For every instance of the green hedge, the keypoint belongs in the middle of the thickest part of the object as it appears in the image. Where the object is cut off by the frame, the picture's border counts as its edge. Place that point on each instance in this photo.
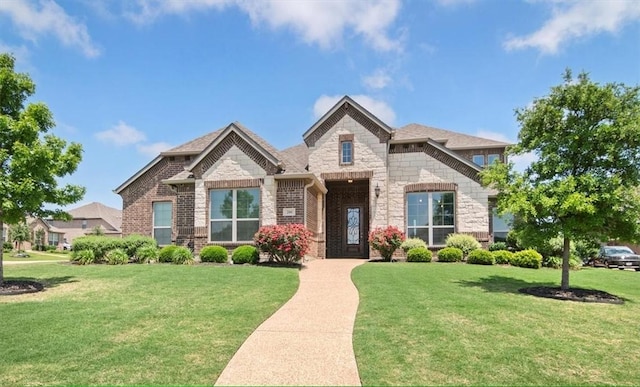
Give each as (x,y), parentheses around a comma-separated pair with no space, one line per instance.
(450,254)
(481,257)
(245,254)
(466,243)
(165,255)
(419,254)
(216,254)
(502,257)
(411,243)
(527,258)
(100,244)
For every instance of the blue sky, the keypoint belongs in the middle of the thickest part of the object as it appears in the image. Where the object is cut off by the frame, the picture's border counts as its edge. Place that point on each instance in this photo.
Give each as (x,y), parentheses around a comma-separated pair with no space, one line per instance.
(130,78)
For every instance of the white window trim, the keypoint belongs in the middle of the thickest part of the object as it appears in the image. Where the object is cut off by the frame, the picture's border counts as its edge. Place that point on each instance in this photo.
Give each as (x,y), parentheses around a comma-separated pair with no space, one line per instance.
(430,227)
(234,214)
(153,220)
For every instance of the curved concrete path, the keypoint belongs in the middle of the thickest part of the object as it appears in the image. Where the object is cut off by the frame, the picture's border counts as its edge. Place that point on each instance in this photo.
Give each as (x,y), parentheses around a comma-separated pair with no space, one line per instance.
(309,340)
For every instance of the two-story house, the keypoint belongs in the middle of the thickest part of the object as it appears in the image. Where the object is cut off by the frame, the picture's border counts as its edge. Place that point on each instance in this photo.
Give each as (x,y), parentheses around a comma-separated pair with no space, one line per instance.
(352,173)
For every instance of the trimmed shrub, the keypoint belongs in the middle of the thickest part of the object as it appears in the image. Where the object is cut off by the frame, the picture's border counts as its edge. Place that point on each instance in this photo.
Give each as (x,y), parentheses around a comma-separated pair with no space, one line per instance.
(419,254)
(116,257)
(527,258)
(165,255)
(83,257)
(481,257)
(502,257)
(146,254)
(513,241)
(497,246)
(182,256)
(386,240)
(286,243)
(450,254)
(575,263)
(411,243)
(214,254)
(130,244)
(587,249)
(7,247)
(245,254)
(464,242)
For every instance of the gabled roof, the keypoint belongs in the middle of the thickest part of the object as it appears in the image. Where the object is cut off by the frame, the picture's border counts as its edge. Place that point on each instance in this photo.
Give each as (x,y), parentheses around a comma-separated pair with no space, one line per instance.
(96,210)
(347,106)
(450,139)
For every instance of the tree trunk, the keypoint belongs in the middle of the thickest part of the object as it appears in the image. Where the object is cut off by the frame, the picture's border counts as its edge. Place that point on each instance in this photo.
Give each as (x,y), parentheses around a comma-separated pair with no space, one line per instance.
(564,285)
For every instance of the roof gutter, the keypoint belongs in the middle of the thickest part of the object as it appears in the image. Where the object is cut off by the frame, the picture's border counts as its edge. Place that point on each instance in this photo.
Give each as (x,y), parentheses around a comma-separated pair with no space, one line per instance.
(311,176)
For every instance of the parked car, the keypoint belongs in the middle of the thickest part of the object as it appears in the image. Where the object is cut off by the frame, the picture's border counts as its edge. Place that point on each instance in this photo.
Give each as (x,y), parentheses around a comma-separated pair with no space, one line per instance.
(621,257)
(66,246)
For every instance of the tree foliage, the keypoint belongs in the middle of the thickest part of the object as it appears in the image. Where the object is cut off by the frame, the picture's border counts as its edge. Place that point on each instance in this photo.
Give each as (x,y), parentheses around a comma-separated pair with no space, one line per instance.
(19,233)
(31,158)
(584,183)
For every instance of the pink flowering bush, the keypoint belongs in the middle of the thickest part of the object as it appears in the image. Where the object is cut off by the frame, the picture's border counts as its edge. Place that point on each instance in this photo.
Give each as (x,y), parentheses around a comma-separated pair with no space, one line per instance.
(386,240)
(285,243)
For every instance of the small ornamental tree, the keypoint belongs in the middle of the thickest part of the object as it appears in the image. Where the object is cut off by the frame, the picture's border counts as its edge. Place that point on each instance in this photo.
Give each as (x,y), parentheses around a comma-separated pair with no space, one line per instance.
(286,243)
(31,158)
(386,240)
(19,233)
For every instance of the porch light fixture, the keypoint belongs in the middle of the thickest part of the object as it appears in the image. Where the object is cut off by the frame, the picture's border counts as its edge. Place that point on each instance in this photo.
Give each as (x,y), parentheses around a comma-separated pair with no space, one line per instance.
(377,190)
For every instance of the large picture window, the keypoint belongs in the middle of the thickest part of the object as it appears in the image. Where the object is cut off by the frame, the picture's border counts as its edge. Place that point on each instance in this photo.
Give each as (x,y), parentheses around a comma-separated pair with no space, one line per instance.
(431,216)
(501,226)
(234,215)
(162,222)
(54,239)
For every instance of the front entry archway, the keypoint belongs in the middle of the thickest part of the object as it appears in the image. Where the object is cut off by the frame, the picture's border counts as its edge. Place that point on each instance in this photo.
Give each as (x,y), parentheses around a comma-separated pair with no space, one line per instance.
(347,212)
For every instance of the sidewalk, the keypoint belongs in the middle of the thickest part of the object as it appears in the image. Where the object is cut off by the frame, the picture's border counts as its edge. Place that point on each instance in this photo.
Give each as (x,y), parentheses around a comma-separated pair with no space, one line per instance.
(309,340)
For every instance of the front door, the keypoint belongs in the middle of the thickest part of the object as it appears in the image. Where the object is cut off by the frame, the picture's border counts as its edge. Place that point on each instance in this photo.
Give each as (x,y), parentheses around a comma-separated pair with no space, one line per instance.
(347,219)
(353,238)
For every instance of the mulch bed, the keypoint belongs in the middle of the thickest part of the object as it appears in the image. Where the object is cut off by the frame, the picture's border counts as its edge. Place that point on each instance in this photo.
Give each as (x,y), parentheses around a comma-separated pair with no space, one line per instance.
(14,287)
(573,294)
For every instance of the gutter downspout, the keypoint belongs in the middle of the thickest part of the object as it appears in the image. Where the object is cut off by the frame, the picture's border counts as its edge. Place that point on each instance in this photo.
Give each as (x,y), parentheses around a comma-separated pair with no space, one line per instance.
(304,198)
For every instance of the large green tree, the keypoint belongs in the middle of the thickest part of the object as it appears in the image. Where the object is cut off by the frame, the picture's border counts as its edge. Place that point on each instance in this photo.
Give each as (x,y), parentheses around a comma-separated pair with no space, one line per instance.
(584,183)
(31,158)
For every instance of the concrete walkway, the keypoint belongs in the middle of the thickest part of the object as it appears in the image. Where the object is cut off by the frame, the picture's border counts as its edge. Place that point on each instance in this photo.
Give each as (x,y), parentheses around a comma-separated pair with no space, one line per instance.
(309,340)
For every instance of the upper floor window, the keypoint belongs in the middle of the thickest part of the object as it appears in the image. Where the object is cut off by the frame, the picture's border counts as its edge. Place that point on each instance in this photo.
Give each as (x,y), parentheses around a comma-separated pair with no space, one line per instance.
(234,214)
(492,157)
(431,216)
(162,212)
(478,159)
(346,149)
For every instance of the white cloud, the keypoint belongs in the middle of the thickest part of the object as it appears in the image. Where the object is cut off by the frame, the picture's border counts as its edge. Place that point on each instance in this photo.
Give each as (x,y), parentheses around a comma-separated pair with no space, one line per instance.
(48,18)
(378,108)
(573,19)
(316,22)
(378,80)
(121,134)
(153,149)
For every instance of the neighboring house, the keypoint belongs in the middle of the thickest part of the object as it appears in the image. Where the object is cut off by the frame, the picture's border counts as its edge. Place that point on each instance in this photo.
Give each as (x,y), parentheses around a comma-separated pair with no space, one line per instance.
(51,236)
(86,218)
(352,173)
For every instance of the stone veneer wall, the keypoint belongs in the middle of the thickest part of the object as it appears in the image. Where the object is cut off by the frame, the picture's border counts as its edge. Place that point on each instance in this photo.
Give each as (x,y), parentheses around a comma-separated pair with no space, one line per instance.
(369,155)
(138,197)
(472,200)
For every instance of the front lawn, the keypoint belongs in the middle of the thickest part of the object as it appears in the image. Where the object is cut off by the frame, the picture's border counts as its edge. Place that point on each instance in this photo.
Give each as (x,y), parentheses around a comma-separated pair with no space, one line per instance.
(133,324)
(436,324)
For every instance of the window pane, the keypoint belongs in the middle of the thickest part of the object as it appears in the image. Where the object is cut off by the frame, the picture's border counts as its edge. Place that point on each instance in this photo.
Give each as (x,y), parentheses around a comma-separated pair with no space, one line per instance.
(478,159)
(501,223)
(492,158)
(221,231)
(162,214)
(422,233)
(347,153)
(417,209)
(443,208)
(440,235)
(353,226)
(221,204)
(247,229)
(162,236)
(248,202)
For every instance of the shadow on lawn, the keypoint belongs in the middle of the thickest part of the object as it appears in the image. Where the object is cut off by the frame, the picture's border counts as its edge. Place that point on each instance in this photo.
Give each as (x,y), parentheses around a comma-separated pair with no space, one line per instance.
(501,284)
(50,282)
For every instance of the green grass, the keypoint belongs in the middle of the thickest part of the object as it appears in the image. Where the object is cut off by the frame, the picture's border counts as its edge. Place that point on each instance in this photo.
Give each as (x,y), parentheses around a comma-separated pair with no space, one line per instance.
(444,324)
(133,324)
(36,256)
